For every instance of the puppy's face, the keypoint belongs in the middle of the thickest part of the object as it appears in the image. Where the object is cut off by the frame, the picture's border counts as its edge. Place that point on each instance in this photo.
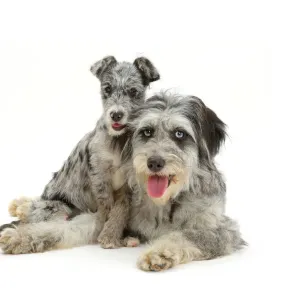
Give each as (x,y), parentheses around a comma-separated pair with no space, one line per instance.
(123,87)
(170,140)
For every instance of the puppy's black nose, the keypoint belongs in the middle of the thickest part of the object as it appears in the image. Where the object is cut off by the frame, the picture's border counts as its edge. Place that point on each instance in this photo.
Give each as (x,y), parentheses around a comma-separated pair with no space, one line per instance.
(116,115)
(155,163)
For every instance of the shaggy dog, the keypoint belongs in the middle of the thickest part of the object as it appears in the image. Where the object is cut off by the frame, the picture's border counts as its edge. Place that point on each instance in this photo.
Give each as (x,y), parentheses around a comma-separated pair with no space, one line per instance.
(177,194)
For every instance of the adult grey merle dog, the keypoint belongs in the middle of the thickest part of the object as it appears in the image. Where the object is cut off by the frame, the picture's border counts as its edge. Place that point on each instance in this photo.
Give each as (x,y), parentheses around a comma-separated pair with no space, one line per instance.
(177,193)
(92,178)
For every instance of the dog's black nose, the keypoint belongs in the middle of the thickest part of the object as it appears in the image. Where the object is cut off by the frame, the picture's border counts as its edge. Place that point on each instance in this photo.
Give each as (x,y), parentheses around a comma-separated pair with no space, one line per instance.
(155,163)
(116,115)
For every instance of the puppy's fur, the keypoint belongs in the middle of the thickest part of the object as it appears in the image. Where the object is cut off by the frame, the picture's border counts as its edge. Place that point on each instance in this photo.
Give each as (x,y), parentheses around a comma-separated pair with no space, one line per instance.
(92,177)
(188,222)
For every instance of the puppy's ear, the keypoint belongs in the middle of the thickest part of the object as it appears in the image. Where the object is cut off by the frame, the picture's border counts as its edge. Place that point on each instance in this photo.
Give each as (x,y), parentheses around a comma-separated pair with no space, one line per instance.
(216,134)
(99,67)
(147,70)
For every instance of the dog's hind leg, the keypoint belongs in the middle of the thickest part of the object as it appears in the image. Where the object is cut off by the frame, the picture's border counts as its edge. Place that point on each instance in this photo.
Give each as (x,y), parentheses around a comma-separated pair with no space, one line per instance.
(45,236)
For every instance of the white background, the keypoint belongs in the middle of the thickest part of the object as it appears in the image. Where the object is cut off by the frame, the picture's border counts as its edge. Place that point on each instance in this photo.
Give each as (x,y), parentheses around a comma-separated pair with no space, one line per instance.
(240,57)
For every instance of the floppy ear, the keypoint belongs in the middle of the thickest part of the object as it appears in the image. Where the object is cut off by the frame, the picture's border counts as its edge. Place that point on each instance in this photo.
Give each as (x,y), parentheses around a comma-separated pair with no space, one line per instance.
(209,126)
(216,132)
(147,70)
(100,66)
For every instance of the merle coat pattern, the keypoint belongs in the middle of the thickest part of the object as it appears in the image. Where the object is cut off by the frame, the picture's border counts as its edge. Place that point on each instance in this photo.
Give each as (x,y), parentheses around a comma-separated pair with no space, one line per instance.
(174,140)
(92,177)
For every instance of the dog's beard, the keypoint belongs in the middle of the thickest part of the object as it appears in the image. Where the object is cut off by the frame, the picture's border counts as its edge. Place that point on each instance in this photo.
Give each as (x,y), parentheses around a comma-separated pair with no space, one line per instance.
(163,185)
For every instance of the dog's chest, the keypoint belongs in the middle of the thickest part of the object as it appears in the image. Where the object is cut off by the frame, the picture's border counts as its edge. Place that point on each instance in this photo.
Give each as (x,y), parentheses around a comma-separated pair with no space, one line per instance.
(149,219)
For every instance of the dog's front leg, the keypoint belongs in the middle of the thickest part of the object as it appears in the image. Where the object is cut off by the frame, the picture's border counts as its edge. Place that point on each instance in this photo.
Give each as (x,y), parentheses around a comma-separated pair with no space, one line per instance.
(202,243)
(168,251)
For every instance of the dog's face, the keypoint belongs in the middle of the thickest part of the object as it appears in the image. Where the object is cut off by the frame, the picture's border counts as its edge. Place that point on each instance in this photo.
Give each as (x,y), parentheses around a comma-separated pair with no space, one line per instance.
(123,88)
(172,137)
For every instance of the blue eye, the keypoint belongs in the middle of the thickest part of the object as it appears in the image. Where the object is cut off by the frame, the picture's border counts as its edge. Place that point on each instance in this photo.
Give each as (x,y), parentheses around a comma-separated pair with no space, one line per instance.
(148,132)
(179,134)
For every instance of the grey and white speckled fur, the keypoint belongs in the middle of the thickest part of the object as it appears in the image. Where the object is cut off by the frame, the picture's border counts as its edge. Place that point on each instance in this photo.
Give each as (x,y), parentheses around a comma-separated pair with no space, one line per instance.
(188,223)
(92,178)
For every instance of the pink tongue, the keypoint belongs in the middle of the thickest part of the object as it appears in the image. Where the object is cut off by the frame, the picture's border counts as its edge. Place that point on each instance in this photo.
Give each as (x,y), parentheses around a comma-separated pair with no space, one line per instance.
(157,186)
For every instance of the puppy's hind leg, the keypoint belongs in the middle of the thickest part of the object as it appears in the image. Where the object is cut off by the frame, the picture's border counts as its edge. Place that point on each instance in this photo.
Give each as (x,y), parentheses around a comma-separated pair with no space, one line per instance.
(32,210)
(20,207)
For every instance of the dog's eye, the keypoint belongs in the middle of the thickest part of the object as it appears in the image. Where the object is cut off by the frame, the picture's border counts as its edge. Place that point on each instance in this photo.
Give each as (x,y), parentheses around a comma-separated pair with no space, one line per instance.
(132,92)
(107,89)
(180,134)
(148,132)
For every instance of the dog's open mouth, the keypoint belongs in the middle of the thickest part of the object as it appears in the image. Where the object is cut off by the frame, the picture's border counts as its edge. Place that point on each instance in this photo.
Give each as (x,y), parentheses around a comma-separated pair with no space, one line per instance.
(118,126)
(157,185)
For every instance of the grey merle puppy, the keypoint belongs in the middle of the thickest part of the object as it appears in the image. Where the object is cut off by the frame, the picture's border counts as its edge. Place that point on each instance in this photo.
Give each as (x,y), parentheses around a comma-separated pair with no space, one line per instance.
(92,178)
(178,194)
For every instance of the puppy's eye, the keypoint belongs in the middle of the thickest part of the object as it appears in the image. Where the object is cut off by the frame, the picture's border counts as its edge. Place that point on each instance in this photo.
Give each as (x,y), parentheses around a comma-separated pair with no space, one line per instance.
(148,133)
(107,89)
(132,92)
(180,134)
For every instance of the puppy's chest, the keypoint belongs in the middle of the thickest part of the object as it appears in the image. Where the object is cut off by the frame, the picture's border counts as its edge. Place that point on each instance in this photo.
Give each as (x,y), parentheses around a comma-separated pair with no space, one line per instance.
(117,175)
(115,168)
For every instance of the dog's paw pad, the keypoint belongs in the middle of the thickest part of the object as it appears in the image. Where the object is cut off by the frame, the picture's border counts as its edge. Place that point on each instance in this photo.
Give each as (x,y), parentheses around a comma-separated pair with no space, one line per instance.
(131,242)
(156,261)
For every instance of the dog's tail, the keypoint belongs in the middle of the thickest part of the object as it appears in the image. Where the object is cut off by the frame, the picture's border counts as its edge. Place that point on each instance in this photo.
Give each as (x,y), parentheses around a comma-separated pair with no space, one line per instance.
(39,237)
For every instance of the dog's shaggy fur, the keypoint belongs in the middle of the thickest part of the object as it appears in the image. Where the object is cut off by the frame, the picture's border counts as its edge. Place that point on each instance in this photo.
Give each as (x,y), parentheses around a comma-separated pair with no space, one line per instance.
(92,178)
(175,138)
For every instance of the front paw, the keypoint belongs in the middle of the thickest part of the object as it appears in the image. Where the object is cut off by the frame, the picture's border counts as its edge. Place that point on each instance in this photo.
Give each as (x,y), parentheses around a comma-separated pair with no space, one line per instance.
(157,260)
(108,241)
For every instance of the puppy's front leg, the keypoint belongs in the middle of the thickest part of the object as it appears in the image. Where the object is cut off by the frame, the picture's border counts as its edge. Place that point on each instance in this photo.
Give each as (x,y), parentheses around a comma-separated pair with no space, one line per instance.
(111,235)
